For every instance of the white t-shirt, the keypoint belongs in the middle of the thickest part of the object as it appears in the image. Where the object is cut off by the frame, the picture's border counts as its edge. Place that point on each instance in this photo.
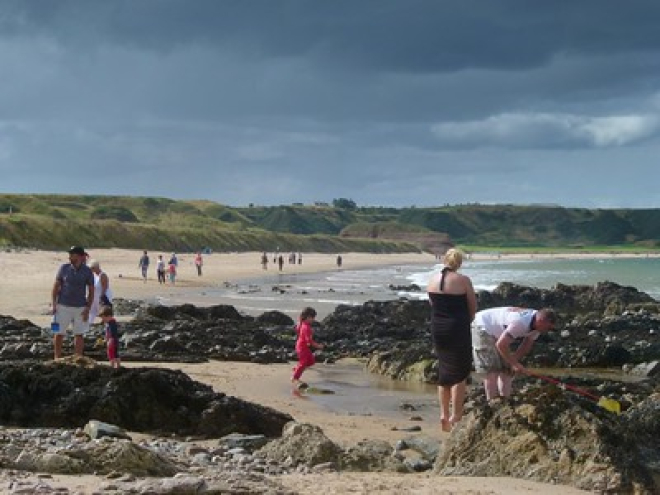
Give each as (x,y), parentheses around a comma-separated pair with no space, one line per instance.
(515,322)
(96,304)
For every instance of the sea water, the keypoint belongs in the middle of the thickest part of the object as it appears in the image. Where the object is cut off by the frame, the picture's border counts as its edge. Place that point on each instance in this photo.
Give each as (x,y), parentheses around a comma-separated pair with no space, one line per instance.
(641,273)
(289,293)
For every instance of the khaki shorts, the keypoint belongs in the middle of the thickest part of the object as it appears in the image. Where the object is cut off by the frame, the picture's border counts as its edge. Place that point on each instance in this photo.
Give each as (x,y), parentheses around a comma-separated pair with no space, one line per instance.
(487,358)
(69,315)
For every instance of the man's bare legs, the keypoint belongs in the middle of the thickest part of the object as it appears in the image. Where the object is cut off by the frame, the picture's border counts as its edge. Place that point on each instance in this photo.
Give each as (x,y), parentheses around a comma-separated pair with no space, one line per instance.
(504,384)
(491,386)
(497,385)
(57,345)
(79,344)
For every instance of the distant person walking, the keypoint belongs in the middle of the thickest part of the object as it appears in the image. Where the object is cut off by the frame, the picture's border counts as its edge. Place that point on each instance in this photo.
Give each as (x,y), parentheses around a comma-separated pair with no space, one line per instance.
(72,297)
(198,263)
(494,331)
(144,265)
(339,261)
(264,261)
(102,292)
(160,269)
(453,305)
(111,331)
(304,345)
(171,268)
(174,260)
(280,261)
(300,258)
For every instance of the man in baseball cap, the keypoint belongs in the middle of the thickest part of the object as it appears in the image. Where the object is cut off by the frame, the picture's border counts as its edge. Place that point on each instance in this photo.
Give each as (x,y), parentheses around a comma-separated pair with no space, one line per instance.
(79,250)
(72,297)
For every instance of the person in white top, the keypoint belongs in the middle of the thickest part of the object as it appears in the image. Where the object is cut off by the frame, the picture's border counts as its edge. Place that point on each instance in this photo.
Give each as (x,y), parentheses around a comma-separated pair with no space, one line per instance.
(102,292)
(493,333)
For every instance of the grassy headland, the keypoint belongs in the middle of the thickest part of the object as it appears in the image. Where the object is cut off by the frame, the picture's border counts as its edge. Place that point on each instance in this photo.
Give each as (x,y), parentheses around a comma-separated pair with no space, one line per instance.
(57,221)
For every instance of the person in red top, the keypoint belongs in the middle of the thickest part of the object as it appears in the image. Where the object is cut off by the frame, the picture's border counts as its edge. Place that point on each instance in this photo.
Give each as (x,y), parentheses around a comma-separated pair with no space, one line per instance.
(304,346)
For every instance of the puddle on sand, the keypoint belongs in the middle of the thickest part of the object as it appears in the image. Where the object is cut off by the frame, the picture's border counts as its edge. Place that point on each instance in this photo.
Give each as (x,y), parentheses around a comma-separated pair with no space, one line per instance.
(358,392)
(361,393)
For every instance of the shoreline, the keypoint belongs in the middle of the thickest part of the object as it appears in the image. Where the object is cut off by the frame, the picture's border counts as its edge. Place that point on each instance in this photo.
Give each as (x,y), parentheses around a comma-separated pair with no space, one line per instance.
(28,275)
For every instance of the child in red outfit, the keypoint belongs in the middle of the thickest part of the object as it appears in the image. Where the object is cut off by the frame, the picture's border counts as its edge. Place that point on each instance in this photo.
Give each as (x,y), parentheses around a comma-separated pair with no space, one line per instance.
(304,346)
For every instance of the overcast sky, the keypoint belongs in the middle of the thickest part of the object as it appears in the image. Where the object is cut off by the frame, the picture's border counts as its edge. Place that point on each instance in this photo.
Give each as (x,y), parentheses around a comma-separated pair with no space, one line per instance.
(385,102)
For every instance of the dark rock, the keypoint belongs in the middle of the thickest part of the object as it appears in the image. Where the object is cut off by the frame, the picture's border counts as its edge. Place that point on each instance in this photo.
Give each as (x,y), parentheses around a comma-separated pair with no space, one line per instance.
(407,428)
(275,318)
(247,442)
(405,288)
(137,399)
(606,325)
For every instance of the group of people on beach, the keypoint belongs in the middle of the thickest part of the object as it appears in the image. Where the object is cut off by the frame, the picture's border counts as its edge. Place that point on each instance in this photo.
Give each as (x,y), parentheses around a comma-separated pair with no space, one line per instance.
(81,293)
(460,335)
(170,268)
(278,259)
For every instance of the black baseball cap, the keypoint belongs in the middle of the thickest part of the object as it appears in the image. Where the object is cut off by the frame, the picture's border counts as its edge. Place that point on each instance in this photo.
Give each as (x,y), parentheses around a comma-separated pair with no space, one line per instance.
(79,250)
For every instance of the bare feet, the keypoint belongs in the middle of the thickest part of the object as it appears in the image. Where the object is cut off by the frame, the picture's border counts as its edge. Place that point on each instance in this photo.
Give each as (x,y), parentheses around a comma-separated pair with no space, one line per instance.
(445,424)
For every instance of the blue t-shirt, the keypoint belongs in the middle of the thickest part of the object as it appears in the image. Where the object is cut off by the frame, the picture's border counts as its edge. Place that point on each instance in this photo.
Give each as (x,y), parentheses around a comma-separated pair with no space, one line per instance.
(73,285)
(111,330)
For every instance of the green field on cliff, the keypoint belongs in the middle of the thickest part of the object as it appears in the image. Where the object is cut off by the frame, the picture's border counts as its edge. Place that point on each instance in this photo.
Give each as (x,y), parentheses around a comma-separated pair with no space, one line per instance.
(57,221)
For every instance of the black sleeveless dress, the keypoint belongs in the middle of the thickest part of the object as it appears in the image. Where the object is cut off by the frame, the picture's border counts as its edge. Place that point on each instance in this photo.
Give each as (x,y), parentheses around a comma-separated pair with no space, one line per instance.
(452,339)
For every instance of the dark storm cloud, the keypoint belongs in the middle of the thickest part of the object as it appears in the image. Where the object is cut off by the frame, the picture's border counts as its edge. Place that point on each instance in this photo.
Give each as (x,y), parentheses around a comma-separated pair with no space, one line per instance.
(410,36)
(385,101)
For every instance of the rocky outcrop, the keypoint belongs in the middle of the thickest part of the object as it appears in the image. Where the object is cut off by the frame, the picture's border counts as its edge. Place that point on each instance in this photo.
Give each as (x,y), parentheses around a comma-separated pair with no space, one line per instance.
(183,333)
(137,399)
(547,436)
(606,325)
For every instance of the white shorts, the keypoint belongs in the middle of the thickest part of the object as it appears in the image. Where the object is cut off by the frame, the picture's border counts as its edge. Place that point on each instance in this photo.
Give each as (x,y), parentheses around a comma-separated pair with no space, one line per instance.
(487,358)
(69,315)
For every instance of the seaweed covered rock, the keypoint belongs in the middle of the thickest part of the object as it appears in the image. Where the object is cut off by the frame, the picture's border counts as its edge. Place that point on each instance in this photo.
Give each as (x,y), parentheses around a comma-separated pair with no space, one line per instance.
(547,436)
(573,299)
(137,399)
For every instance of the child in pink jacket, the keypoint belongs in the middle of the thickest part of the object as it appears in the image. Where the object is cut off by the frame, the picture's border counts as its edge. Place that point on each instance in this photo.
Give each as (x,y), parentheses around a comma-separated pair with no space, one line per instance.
(304,346)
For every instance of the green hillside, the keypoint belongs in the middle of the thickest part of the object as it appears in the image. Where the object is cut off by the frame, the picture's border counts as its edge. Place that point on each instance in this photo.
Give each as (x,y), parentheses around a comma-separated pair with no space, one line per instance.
(56,221)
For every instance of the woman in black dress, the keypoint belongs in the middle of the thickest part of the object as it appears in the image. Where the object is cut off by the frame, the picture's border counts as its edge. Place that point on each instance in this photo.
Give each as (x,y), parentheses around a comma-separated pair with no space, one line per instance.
(453,305)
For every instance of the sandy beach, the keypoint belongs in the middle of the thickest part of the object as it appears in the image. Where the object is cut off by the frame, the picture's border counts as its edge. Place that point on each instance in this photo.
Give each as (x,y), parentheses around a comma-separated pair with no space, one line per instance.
(25,293)
(28,275)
